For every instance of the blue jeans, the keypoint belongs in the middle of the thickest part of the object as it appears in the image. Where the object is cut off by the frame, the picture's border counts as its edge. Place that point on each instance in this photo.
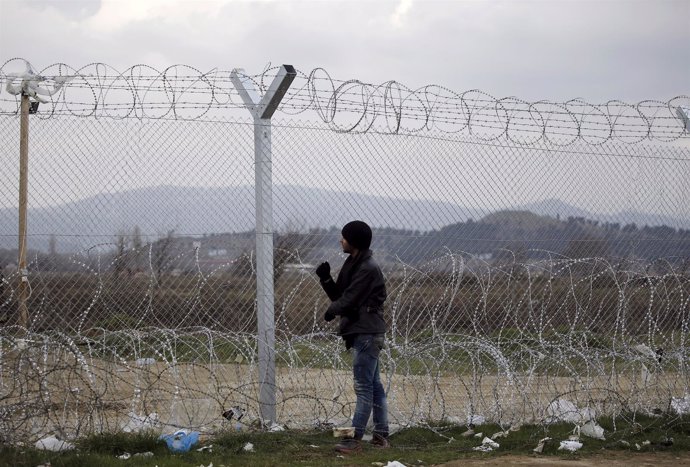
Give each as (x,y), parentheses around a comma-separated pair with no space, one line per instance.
(370,394)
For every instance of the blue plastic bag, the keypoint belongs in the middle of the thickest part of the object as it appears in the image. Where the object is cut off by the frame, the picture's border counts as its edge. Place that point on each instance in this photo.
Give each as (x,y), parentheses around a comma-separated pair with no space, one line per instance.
(181,441)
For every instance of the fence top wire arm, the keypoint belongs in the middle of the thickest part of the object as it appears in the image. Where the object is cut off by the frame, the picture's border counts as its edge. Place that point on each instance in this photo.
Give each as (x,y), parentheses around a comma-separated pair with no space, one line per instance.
(264,107)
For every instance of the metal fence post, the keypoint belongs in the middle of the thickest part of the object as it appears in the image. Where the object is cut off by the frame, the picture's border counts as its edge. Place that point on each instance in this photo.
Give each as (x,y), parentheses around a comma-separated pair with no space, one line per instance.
(262,110)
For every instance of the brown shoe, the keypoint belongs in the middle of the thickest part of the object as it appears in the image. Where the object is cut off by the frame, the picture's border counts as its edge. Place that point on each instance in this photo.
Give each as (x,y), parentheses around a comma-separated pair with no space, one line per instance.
(349,446)
(380,441)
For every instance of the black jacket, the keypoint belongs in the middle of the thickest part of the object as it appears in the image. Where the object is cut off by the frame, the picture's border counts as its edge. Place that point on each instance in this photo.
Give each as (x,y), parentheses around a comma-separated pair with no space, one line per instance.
(357,296)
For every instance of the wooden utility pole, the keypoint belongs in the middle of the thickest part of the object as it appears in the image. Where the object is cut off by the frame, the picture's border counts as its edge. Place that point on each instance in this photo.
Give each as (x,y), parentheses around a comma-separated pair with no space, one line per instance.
(23,288)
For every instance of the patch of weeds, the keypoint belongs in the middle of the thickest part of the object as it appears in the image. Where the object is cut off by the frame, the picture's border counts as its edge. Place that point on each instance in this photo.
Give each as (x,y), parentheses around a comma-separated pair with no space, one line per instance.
(119,443)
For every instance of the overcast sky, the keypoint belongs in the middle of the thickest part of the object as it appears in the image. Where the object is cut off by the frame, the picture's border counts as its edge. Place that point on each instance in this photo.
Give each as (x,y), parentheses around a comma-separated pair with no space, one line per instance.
(557,50)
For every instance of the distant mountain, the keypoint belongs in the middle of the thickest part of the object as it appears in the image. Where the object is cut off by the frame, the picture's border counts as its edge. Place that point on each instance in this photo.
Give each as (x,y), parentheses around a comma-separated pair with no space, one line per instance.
(196,211)
(556,207)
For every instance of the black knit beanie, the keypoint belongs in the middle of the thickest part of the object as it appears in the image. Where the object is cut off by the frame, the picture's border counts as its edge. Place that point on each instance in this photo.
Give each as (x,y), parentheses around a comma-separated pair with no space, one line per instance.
(357,234)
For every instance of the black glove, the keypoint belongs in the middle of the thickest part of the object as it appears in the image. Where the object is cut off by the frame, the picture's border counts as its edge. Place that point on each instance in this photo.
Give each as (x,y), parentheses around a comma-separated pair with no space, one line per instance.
(324,272)
(328,316)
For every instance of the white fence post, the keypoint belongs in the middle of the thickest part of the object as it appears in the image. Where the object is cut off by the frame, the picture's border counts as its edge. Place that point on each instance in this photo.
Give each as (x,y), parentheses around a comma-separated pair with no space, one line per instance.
(262,110)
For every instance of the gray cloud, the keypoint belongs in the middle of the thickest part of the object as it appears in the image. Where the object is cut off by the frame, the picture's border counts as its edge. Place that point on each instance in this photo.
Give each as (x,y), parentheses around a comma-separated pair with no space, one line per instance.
(629,50)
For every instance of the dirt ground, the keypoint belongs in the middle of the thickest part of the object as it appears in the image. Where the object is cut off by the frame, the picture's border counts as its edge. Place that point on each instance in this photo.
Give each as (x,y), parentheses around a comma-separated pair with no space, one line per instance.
(610,459)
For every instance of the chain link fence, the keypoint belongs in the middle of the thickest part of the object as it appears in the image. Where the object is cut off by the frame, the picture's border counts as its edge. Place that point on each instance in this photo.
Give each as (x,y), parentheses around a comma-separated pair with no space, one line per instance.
(533,252)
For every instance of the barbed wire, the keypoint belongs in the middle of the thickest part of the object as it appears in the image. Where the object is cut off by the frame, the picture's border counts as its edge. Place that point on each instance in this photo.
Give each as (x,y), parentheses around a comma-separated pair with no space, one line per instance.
(183,92)
(504,357)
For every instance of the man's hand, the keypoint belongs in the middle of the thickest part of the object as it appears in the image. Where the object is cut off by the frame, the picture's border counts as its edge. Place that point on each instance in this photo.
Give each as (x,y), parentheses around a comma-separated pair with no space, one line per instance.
(328,316)
(324,273)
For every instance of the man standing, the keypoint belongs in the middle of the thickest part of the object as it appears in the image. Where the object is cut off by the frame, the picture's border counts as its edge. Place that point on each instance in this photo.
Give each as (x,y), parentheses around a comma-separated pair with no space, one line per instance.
(357,297)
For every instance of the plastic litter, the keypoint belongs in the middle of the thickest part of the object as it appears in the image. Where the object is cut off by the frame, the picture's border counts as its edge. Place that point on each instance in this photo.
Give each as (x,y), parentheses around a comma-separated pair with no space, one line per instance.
(51,443)
(490,442)
(570,445)
(234,412)
(479,435)
(143,454)
(593,430)
(563,410)
(540,447)
(275,427)
(500,434)
(124,456)
(487,445)
(181,441)
(476,420)
(249,447)
(394,464)
(681,405)
(468,433)
(208,448)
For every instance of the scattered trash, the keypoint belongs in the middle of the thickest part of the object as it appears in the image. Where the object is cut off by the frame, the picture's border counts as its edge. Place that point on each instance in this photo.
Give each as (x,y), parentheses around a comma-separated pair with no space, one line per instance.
(646,442)
(208,448)
(378,464)
(249,447)
(487,445)
(570,445)
(476,420)
(314,446)
(625,443)
(344,432)
(637,446)
(451,440)
(500,434)
(394,464)
(479,435)
(540,447)
(490,442)
(144,361)
(137,423)
(593,430)
(681,405)
(51,443)
(181,441)
(468,433)
(483,448)
(127,455)
(562,410)
(234,412)
(275,427)
(666,442)
(209,465)
(515,427)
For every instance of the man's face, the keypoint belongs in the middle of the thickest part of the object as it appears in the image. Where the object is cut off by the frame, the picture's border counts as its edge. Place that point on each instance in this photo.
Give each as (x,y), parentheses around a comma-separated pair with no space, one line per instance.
(347,248)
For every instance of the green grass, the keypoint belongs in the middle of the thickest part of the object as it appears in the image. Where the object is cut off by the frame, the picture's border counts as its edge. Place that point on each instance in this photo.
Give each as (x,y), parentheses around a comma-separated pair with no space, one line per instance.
(315,448)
